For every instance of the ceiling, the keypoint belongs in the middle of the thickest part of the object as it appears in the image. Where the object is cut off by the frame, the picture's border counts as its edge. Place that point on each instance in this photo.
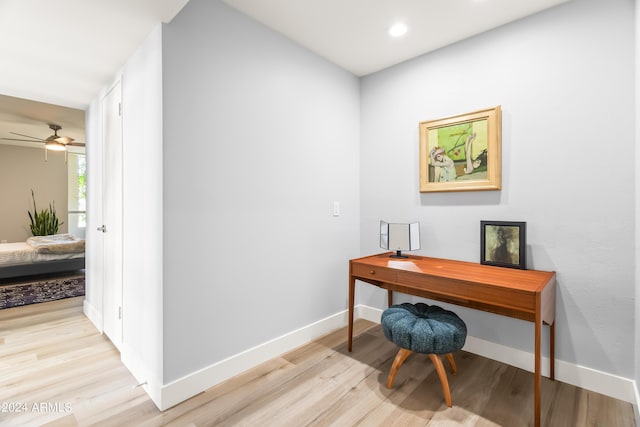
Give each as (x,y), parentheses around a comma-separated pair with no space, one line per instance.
(33,118)
(63,52)
(353,33)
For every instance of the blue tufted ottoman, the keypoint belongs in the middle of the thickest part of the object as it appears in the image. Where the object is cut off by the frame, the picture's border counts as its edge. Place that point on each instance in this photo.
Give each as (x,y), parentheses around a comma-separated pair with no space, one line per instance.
(428,329)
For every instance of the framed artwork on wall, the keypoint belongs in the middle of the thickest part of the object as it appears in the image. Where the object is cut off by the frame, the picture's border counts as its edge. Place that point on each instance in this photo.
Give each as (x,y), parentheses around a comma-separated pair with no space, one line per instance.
(461,153)
(503,243)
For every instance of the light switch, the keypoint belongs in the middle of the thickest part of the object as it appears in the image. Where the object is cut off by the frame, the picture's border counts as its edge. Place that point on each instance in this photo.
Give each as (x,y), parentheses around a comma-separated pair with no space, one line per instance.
(336,208)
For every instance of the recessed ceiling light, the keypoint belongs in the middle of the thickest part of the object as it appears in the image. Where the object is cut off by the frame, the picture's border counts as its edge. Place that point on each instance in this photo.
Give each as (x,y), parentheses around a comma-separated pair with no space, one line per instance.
(397,30)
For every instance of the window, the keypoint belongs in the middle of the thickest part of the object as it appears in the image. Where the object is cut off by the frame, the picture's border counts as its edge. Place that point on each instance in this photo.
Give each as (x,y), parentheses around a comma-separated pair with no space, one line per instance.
(77,197)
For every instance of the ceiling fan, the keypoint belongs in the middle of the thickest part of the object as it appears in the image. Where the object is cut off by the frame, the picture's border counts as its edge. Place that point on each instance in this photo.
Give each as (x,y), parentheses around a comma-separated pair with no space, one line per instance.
(53,142)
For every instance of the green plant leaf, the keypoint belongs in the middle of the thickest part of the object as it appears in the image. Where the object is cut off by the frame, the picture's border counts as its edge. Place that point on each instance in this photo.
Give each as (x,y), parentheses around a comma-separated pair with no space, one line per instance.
(46,221)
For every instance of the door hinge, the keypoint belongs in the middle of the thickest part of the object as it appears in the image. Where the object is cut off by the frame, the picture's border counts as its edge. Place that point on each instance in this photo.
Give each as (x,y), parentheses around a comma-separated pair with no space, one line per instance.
(119,313)
(120,109)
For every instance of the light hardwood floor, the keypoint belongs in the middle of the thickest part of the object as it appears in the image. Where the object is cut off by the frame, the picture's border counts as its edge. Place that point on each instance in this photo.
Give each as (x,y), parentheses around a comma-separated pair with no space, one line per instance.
(61,372)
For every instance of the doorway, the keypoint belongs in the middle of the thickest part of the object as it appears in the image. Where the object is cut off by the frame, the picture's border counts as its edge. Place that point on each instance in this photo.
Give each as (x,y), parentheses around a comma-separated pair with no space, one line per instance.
(112,213)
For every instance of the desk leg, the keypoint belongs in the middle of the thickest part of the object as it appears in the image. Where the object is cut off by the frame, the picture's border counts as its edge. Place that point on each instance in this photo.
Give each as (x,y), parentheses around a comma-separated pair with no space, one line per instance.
(352,291)
(552,351)
(537,365)
(389,298)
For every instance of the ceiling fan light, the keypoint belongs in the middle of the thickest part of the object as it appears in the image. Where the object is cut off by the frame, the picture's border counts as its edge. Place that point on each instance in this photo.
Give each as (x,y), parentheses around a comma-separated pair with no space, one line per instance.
(55,146)
(64,140)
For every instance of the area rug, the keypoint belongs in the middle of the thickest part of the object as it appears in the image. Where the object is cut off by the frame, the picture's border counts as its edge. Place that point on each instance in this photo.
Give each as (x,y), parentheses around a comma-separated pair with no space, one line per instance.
(41,290)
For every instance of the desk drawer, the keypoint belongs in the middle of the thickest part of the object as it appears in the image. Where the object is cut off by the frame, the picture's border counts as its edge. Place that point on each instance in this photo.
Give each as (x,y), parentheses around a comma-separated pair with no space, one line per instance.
(373,272)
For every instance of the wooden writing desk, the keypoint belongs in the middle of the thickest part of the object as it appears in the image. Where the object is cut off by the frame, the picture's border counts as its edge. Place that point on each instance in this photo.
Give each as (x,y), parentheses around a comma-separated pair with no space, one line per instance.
(522,294)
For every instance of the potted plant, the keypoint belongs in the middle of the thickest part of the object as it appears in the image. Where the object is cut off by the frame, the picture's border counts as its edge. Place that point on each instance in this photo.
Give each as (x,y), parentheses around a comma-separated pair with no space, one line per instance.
(46,221)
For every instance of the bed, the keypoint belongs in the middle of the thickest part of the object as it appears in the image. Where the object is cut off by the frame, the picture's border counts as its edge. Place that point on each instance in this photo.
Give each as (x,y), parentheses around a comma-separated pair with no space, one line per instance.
(41,255)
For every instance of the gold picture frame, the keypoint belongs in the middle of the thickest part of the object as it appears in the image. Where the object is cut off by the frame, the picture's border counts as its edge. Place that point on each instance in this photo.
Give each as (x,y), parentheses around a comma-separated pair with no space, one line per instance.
(462,153)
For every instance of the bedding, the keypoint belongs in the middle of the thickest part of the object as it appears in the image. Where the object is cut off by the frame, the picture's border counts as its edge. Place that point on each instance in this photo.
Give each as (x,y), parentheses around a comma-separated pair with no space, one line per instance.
(56,244)
(22,253)
(44,254)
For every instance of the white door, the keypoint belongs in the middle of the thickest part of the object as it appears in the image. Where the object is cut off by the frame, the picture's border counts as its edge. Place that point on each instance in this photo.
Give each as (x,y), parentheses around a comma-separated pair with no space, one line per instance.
(112,214)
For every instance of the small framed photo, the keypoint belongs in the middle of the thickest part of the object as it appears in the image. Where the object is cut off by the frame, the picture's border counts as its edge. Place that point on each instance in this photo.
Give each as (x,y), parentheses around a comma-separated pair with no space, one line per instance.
(503,243)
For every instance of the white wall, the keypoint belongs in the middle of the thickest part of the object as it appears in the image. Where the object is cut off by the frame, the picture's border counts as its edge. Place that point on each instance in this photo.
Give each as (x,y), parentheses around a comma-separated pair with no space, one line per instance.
(637,206)
(260,137)
(142,202)
(141,79)
(564,78)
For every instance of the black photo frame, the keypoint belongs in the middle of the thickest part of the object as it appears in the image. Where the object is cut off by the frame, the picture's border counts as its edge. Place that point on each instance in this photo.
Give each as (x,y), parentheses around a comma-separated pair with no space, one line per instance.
(503,244)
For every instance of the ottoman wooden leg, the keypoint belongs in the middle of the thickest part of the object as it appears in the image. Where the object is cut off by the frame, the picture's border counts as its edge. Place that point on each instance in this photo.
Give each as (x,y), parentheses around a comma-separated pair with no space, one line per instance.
(437,362)
(452,363)
(397,362)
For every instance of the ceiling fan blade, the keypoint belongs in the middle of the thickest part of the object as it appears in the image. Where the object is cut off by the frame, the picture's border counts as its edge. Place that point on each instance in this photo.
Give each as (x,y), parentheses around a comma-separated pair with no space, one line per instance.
(50,141)
(21,140)
(27,136)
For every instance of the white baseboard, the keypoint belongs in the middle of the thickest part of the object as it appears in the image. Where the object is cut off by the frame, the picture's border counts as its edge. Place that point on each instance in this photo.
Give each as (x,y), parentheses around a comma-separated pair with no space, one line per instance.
(183,388)
(94,315)
(368,313)
(196,382)
(580,376)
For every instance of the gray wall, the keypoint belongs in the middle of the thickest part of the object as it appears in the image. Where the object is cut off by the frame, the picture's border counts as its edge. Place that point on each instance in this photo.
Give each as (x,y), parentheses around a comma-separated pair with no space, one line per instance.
(21,170)
(564,79)
(260,137)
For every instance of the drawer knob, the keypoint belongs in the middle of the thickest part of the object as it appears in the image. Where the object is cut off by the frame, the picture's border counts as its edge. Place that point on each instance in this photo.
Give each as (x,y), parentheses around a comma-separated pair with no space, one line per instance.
(372,272)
